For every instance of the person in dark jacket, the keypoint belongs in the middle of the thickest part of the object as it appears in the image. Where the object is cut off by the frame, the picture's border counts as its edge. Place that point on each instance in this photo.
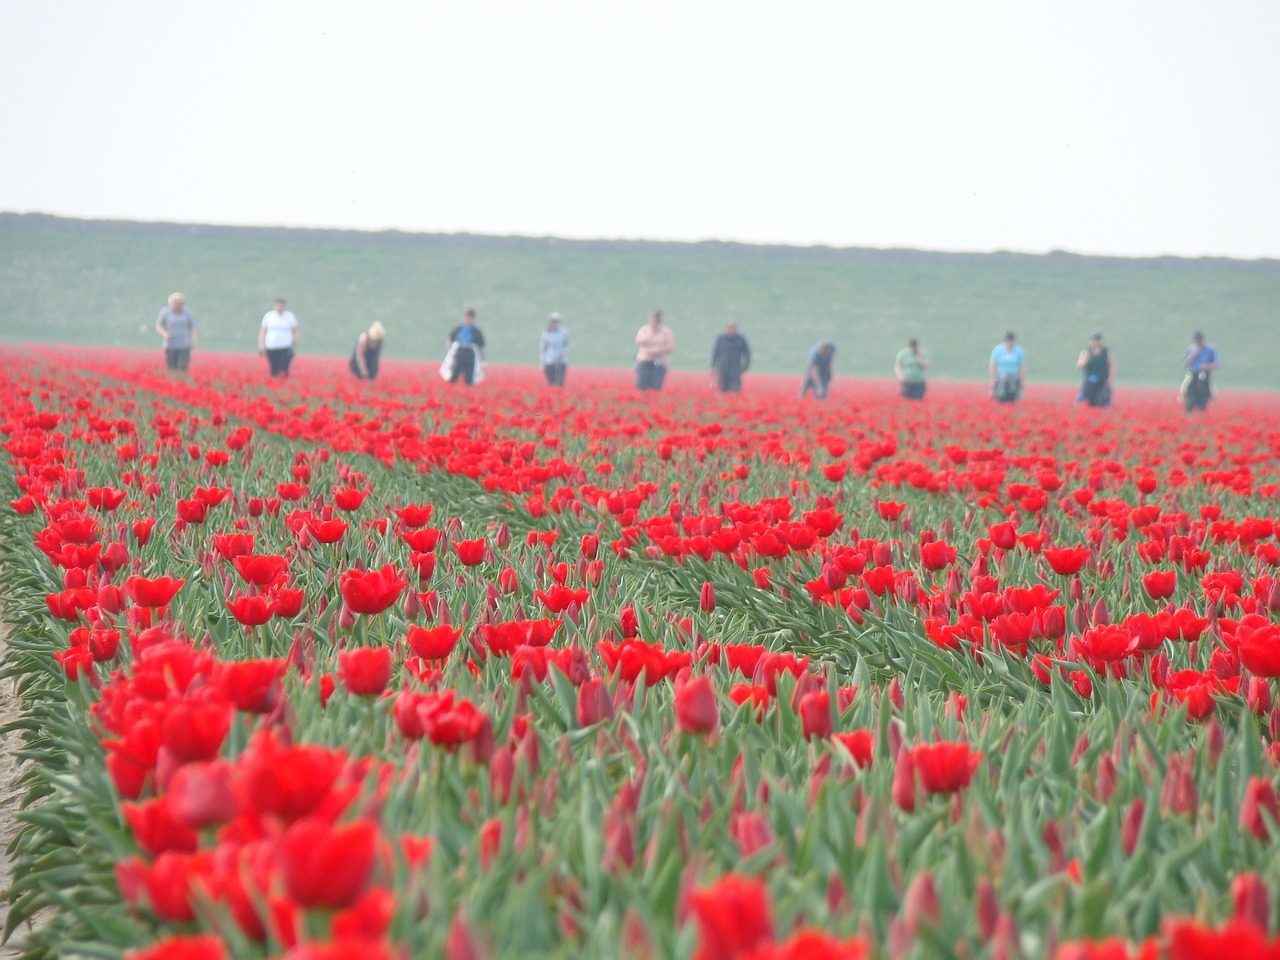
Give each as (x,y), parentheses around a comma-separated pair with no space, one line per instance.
(368,352)
(730,358)
(1095,360)
(466,343)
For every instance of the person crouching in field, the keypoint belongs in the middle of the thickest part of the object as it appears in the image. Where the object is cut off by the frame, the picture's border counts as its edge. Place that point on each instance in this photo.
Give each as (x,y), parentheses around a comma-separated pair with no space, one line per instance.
(1006,369)
(553,351)
(177,328)
(730,358)
(277,337)
(817,370)
(1095,361)
(368,352)
(909,368)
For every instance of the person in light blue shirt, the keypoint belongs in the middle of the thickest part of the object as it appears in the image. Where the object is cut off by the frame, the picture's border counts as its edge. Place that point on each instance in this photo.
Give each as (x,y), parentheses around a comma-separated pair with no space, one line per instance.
(1008,364)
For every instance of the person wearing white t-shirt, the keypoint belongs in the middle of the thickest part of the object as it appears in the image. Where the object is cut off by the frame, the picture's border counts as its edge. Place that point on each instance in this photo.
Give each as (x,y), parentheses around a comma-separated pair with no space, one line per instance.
(277,337)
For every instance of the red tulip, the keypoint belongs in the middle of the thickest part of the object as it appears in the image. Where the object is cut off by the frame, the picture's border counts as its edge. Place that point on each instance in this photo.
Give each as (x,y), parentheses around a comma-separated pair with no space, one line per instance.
(289,782)
(365,671)
(432,643)
(194,730)
(1066,560)
(945,767)
(260,569)
(414,515)
(1190,941)
(203,946)
(1259,649)
(327,865)
(252,611)
(815,714)
(470,552)
(697,710)
(937,555)
(733,918)
(371,592)
(200,794)
(349,498)
(1160,584)
(154,593)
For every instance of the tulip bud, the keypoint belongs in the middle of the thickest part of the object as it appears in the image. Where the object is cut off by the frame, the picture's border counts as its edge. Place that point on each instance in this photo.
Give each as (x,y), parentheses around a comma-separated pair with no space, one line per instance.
(1106,777)
(895,695)
(920,905)
(904,781)
(697,711)
(1132,827)
(707,598)
(460,944)
(1214,741)
(1252,901)
(594,704)
(987,909)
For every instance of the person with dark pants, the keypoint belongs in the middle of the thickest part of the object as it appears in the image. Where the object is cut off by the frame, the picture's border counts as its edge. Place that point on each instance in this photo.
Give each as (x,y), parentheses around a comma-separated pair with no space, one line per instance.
(553,351)
(909,367)
(1200,360)
(277,337)
(655,343)
(817,370)
(367,354)
(1096,362)
(466,344)
(177,327)
(730,358)
(1006,369)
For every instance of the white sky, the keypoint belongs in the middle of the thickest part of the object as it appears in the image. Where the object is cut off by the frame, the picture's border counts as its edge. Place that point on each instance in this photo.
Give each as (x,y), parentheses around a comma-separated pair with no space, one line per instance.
(1126,126)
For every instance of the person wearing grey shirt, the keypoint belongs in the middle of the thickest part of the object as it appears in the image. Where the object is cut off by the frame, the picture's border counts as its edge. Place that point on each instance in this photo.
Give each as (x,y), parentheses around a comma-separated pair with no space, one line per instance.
(177,327)
(553,351)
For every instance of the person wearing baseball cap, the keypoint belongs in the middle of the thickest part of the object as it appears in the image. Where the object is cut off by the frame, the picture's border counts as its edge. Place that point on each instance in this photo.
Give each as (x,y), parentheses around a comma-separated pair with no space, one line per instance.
(554,350)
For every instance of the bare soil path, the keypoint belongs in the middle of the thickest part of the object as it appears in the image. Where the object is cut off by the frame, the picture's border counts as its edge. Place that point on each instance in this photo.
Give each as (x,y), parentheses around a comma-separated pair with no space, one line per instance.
(10,793)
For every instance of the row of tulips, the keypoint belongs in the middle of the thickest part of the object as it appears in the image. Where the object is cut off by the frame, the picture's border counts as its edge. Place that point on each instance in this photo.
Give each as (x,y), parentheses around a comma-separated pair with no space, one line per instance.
(315,674)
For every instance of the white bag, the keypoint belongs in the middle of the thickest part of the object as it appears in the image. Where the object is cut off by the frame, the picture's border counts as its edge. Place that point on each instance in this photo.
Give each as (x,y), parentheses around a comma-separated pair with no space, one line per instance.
(446,368)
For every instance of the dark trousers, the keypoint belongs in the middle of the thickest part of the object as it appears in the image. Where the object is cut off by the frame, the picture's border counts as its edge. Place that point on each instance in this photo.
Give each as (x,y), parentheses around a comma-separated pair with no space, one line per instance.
(1096,393)
(1008,388)
(177,358)
(820,386)
(1198,391)
(464,365)
(278,360)
(913,391)
(650,375)
(730,380)
(355,370)
(554,373)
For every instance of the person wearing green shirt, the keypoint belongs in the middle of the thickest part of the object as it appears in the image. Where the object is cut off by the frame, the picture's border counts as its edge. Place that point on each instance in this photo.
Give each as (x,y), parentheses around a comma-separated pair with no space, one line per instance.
(909,368)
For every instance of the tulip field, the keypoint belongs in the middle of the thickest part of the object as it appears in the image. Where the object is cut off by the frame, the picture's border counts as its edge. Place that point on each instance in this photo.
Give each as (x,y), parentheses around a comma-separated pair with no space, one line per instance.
(322,669)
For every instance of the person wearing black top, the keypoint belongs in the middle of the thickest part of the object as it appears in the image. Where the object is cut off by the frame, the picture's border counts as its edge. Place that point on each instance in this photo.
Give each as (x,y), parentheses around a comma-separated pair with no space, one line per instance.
(467,344)
(1095,361)
(367,351)
(730,357)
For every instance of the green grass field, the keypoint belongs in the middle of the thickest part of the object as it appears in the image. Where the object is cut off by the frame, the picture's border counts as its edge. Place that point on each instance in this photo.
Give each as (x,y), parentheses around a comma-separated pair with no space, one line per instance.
(94,282)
